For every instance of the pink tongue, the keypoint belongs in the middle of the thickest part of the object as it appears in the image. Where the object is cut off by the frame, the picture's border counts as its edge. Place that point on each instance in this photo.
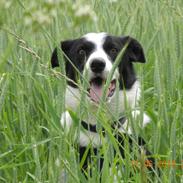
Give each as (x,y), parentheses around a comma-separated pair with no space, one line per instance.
(96,92)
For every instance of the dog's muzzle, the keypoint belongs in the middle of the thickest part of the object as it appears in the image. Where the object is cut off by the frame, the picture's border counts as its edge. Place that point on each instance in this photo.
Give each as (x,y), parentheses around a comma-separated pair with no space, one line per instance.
(97,65)
(98,81)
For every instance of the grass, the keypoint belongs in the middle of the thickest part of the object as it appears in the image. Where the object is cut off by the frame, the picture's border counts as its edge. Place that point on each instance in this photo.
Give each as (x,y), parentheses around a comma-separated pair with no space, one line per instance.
(33,146)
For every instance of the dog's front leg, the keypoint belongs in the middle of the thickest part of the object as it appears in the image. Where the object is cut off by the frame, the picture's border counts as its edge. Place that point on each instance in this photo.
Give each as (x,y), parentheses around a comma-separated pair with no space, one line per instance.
(66,123)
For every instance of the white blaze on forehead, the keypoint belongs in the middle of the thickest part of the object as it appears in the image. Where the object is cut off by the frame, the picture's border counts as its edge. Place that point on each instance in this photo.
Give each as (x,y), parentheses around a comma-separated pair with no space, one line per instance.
(96,38)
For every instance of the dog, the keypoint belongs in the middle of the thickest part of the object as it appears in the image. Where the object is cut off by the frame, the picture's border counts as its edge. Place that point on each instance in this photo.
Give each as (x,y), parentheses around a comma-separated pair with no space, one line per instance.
(95,54)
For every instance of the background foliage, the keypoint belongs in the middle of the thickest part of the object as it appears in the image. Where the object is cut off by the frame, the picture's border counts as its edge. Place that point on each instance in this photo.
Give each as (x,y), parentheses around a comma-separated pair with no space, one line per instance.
(33,147)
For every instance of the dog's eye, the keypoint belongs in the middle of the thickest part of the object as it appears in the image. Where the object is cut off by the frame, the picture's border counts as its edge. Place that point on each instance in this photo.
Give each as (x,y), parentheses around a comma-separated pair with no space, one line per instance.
(113,50)
(81,52)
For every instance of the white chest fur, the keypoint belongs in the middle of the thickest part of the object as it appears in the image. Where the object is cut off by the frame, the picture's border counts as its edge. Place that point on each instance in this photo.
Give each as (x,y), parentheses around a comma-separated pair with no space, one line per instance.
(129,98)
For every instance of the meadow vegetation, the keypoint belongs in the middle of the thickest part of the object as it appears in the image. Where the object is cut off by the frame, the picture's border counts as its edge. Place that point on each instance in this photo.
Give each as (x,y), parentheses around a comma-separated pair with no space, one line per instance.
(33,146)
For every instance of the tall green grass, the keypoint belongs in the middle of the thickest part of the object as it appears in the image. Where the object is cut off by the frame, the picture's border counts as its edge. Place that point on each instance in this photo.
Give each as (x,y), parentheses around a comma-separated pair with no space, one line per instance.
(33,146)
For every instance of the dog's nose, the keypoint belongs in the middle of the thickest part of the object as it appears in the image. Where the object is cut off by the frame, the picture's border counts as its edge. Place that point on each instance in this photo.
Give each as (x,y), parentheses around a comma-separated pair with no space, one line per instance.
(97,65)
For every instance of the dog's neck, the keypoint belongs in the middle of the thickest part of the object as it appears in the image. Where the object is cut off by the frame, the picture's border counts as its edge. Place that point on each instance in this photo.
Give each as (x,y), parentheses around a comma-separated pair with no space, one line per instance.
(129,97)
(93,128)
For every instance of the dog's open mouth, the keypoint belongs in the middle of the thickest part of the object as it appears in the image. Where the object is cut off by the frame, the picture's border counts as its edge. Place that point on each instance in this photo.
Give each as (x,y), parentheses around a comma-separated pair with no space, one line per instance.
(95,91)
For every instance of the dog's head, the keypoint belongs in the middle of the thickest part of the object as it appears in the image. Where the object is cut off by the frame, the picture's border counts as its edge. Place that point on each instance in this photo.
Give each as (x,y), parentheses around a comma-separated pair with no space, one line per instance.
(96,53)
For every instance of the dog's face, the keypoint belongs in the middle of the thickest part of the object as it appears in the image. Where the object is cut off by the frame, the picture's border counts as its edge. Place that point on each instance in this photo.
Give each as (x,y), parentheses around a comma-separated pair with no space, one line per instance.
(96,53)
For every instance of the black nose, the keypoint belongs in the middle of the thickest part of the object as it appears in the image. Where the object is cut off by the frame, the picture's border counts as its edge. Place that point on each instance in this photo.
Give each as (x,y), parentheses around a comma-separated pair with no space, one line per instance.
(97,65)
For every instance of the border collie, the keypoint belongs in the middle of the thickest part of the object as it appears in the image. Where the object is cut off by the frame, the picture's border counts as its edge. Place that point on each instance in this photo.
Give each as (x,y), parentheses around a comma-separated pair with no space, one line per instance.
(95,54)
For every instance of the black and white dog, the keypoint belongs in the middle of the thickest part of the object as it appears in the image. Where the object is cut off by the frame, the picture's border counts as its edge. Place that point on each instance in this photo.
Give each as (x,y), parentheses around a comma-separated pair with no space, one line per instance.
(95,54)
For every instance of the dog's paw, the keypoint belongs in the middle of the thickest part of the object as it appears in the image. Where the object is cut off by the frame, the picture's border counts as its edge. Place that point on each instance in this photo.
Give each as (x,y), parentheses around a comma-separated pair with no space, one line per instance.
(66,121)
(145,118)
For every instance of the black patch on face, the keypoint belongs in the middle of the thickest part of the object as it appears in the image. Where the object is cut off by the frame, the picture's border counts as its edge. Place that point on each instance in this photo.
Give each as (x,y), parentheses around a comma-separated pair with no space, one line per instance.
(134,53)
(76,54)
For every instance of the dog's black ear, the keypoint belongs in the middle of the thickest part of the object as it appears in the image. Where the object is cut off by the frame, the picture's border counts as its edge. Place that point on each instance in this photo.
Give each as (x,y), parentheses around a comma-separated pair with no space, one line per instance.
(54,59)
(65,46)
(134,51)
